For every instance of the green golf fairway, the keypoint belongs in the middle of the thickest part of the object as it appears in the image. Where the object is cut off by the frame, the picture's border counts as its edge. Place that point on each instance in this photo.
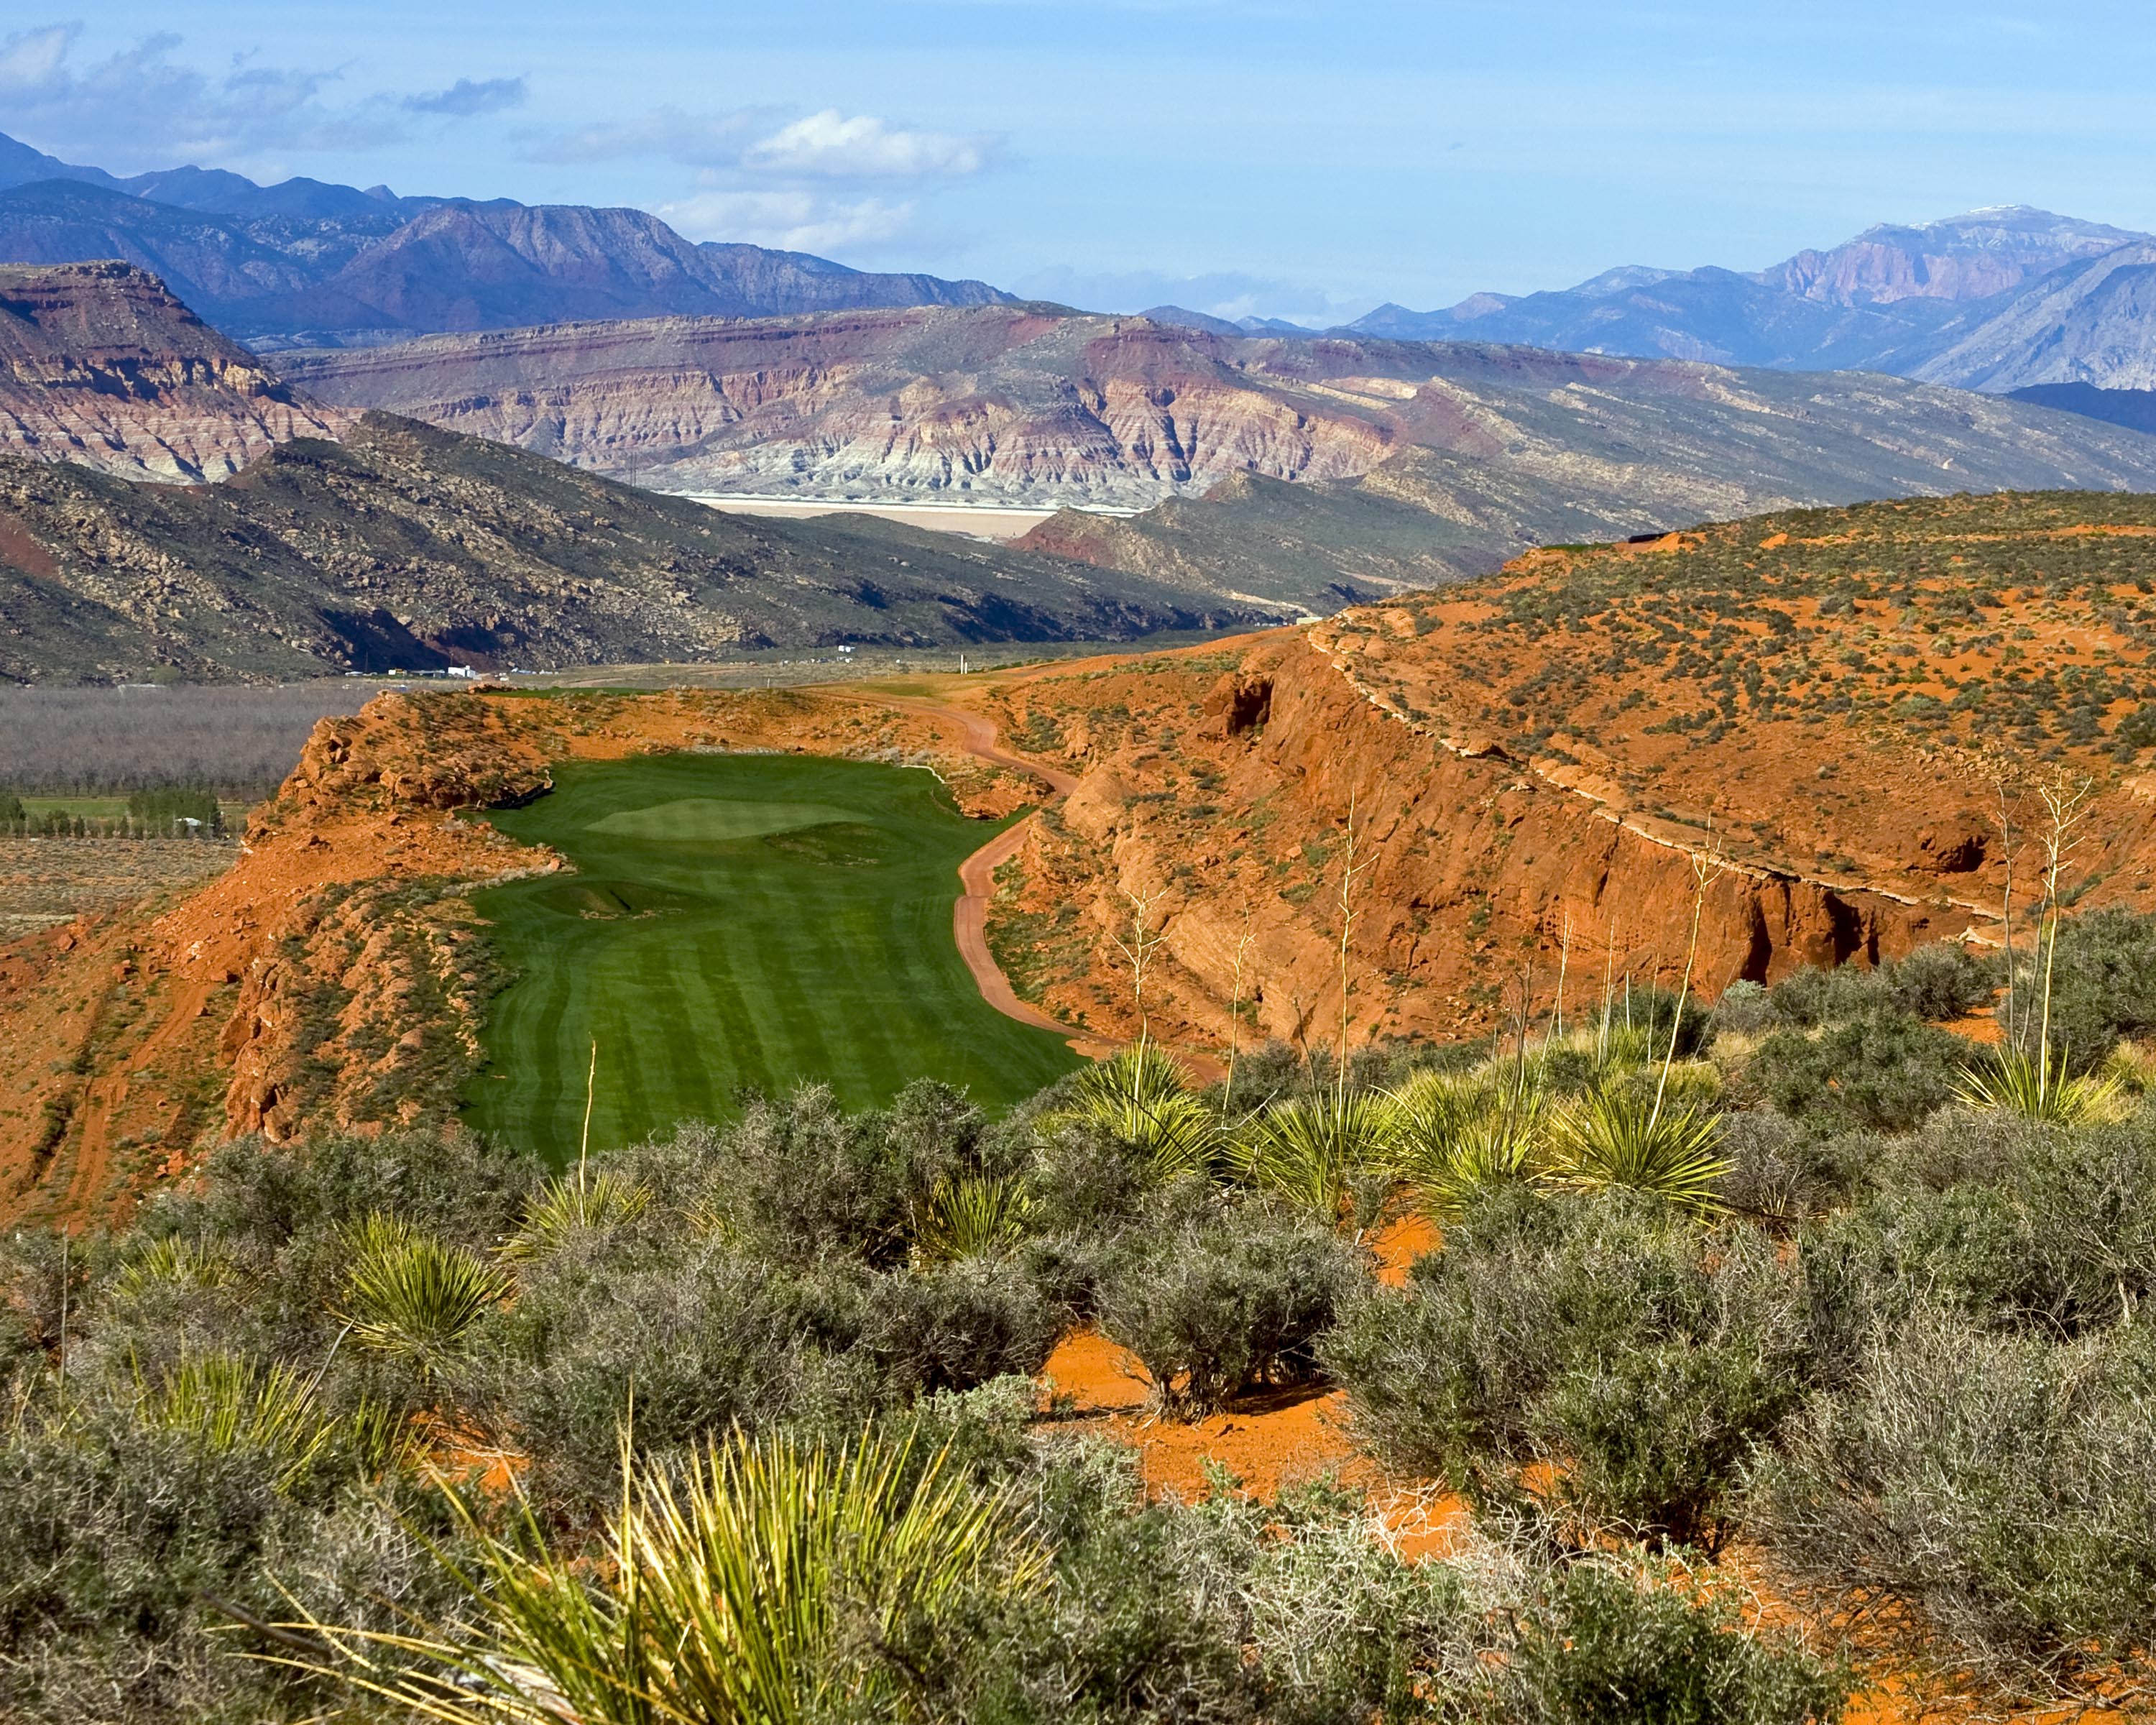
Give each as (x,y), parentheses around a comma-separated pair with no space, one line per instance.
(736,921)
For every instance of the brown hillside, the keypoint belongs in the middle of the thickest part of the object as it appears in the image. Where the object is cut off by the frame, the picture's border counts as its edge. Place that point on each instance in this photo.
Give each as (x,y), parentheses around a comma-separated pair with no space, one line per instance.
(1818,707)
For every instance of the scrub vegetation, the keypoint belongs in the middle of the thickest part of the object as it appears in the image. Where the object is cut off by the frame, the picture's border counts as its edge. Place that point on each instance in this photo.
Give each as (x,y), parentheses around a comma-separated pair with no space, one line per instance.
(739,1422)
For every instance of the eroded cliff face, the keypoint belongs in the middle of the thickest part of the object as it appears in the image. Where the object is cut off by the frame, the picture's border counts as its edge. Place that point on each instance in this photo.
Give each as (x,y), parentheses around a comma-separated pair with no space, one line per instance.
(99,365)
(1505,849)
(994,403)
(1220,812)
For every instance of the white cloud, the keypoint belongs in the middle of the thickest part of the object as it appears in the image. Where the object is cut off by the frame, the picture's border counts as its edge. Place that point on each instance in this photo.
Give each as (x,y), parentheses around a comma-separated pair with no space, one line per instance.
(789,221)
(31,58)
(139,106)
(827,145)
(467,99)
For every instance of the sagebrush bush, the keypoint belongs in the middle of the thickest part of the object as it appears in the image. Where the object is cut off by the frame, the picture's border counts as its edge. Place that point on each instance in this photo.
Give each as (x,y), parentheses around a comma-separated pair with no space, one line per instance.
(1941,981)
(799,1178)
(1217,1307)
(2001,1487)
(1882,1072)
(2046,1228)
(2102,985)
(1600,1359)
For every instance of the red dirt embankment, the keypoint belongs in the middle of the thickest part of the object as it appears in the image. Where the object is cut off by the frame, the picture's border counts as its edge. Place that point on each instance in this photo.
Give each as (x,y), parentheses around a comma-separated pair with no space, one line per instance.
(1220,786)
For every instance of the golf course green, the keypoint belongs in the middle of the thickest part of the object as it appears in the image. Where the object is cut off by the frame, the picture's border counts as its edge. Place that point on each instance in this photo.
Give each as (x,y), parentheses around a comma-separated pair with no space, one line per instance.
(735,922)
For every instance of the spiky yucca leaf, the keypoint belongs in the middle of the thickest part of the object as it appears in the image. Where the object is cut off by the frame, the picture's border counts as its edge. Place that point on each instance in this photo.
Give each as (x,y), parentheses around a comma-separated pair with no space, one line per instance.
(974,1216)
(172,1261)
(1462,1134)
(228,1402)
(1320,1154)
(767,1583)
(1142,1096)
(413,1297)
(573,1204)
(1618,1136)
(2038,1086)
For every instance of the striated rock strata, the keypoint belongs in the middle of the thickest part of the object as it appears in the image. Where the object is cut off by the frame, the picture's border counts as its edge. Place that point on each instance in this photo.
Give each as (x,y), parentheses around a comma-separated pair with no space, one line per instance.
(99,365)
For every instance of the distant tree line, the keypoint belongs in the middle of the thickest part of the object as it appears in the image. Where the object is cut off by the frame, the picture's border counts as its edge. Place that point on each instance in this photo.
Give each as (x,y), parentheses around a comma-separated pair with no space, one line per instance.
(235,743)
(176,812)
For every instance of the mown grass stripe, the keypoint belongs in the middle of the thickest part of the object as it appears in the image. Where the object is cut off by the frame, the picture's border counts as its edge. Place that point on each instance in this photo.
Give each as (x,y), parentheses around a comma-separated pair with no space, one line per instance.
(812,949)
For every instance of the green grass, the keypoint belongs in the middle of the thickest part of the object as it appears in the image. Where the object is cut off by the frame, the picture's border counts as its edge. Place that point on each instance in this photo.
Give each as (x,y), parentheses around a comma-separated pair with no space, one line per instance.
(738,921)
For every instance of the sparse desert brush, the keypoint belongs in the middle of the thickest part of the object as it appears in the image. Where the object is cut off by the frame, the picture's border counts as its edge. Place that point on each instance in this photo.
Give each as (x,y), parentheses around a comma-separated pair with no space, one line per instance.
(1217,1307)
(1599,1358)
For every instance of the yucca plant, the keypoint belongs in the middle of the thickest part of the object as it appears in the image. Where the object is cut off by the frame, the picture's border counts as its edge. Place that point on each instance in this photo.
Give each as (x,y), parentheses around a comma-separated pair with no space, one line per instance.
(228,1402)
(172,1261)
(1618,1136)
(573,1203)
(1459,1134)
(762,1583)
(2036,1085)
(413,1297)
(1142,1096)
(972,1216)
(1323,1154)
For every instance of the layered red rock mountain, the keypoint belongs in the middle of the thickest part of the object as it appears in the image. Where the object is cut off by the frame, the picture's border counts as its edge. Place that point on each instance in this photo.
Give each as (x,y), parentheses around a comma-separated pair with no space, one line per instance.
(101,366)
(1033,404)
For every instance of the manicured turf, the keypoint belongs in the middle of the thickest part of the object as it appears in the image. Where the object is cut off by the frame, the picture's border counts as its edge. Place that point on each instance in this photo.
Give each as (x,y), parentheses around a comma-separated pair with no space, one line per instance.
(736,921)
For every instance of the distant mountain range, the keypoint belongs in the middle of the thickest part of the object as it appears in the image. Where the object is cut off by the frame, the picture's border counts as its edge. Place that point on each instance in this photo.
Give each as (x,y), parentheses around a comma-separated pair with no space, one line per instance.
(1997,300)
(1412,463)
(305,263)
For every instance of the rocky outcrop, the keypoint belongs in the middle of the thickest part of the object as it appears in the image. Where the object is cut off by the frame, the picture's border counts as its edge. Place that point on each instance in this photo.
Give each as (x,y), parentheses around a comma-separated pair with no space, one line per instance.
(1542,771)
(1032,405)
(101,366)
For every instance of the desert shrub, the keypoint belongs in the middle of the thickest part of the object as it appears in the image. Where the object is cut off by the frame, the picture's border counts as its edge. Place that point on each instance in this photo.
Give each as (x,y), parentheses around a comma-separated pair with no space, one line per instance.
(2103,985)
(2002,1488)
(1813,996)
(1213,1308)
(1608,1641)
(799,1179)
(1880,1072)
(1085,1178)
(1228,1608)
(1745,1008)
(1781,1175)
(958,1326)
(124,1541)
(1941,981)
(2015,1224)
(1636,1355)
(705,1337)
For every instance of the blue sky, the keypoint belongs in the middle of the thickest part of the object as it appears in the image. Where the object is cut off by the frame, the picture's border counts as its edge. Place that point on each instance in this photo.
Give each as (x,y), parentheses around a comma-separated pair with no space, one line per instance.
(1281,157)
